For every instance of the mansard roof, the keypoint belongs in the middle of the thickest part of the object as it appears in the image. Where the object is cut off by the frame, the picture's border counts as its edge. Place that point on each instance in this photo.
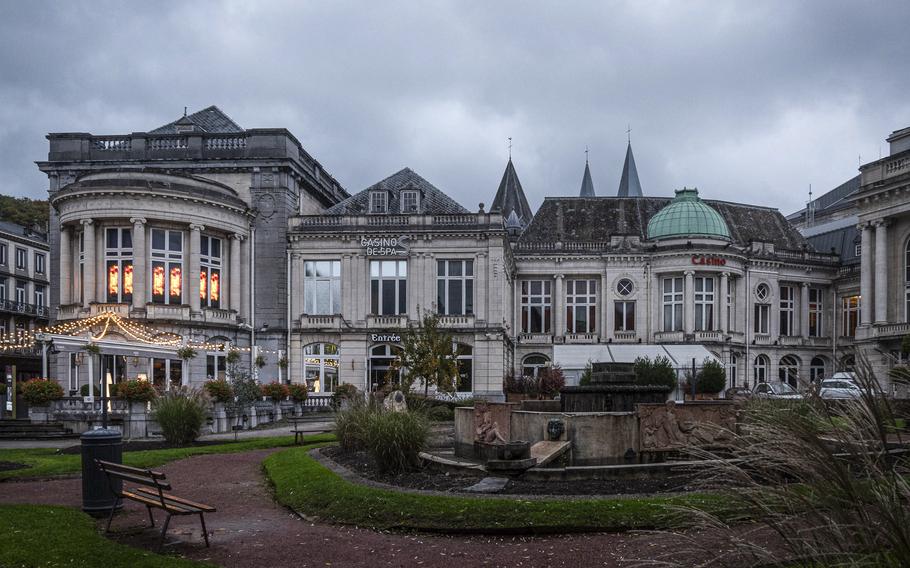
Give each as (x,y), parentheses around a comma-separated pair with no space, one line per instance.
(587,184)
(831,201)
(432,199)
(210,120)
(629,186)
(577,219)
(511,197)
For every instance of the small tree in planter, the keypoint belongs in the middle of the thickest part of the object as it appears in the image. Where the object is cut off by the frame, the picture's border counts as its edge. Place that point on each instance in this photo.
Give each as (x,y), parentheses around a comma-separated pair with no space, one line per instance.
(232,360)
(275,391)
(135,390)
(550,380)
(657,372)
(219,391)
(41,392)
(711,379)
(298,392)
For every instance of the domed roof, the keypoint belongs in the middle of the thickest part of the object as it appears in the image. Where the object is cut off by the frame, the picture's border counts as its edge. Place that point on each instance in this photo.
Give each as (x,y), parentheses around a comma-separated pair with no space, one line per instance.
(687,216)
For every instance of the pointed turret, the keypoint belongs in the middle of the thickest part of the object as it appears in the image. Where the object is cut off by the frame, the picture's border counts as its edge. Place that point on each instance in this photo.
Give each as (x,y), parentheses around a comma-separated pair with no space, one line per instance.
(629,186)
(510,198)
(587,185)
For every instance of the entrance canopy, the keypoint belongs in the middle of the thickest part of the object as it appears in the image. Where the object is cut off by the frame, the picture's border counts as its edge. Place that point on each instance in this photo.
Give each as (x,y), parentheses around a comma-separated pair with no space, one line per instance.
(572,357)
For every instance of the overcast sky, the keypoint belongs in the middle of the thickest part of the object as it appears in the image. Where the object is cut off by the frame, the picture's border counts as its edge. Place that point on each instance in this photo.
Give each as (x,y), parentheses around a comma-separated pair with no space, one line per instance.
(749,101)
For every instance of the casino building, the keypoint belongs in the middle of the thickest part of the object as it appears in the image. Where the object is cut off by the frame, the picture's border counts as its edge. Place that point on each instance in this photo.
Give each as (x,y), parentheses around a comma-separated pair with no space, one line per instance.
(229,236)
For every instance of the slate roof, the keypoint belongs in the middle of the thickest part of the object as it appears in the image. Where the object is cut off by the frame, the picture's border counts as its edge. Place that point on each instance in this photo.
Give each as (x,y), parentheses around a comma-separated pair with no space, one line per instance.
(587,184)
(831,201)
(22,231)
(511,197)
(629,186)
(432,199)
(211,120)
(841,241)
(597,219)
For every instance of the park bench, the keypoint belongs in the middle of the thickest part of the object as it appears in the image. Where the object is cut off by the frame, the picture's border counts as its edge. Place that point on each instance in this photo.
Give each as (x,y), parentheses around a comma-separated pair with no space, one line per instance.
(296,423)
(152,495)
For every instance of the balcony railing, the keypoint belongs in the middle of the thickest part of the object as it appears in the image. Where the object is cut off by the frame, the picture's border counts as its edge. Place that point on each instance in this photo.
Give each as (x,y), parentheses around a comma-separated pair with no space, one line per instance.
(216,315)
(791,340)
(167,312)
(387,321)
(709,336)
(13,307)
(457,322)
(891,329)
(761,339)
(582,338)
(320,321)
(535,338)
(669,336)
(625,336)
(122,310)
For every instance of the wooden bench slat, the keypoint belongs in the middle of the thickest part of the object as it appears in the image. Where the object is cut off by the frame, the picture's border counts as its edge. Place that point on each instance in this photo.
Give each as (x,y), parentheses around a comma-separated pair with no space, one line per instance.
(142,480)
(170,507)
(129,469)
(180,500)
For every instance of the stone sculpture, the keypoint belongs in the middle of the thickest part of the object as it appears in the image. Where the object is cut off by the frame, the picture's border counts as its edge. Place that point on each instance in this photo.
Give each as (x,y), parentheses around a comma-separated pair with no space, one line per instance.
(395,402)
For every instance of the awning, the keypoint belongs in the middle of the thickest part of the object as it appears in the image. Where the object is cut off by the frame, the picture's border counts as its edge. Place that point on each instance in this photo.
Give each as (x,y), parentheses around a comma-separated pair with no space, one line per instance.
(71,344)
(577,356)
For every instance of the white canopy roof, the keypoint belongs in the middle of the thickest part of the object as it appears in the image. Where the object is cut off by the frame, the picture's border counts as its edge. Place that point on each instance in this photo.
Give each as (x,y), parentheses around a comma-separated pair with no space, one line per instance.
(577,356)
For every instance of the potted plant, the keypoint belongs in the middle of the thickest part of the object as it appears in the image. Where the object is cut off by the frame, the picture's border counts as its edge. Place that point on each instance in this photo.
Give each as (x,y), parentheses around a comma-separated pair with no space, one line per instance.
(550,380)
(298,393)
(39,394)
(275,391)
(220,391)
(709,381)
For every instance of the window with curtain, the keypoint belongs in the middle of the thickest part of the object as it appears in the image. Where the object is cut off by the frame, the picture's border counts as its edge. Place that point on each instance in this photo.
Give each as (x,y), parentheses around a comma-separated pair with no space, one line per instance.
(536,306)
(672,297)
(581,306)
(211,279)
(624,315)
(322,287)
(786,310)
(118,259)
(816,312)
(388,287)
(850,307)
(455,287)
(704,303)
(167,267)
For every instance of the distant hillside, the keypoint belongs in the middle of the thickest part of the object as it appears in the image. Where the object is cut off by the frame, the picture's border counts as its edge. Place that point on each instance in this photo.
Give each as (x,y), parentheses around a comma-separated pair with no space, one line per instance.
(24,211)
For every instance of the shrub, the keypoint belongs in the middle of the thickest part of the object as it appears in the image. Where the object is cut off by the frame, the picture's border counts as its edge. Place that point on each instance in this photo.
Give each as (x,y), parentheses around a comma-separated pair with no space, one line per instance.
(39,392)
(275,391)
(657,372)
(246,389)
(351,426)
(219,390)
(344,391)
(135,390)
(83,390)
(298,392)
(550,381)
(180,413)
(395,439)
(587,376)
(712,378)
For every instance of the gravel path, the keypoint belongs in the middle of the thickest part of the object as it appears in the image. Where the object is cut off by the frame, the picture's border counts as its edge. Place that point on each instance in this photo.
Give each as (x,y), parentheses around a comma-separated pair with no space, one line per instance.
(251,530)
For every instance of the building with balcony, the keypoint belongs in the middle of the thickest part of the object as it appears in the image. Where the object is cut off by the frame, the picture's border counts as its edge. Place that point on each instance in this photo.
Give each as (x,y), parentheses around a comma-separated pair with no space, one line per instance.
(24,285)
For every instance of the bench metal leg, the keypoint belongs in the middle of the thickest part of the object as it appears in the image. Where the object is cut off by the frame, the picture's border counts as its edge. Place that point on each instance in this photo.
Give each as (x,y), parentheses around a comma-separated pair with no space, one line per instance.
(151,518)
(110,517)
(205,533)
(163,531)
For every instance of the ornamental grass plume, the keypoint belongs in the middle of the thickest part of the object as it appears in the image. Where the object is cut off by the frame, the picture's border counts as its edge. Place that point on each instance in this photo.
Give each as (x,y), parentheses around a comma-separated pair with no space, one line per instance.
(807,483)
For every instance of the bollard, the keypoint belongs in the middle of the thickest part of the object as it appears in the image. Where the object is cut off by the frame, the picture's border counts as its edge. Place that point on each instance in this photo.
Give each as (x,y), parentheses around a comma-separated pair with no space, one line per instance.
(105,444)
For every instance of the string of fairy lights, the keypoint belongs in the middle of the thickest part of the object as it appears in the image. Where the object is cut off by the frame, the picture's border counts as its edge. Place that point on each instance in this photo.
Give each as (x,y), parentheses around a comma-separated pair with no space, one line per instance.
(98,327)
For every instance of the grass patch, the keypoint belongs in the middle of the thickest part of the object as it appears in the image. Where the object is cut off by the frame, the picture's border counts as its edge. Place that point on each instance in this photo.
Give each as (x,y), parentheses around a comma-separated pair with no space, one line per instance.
(305,485)
(33,536)
(45,462)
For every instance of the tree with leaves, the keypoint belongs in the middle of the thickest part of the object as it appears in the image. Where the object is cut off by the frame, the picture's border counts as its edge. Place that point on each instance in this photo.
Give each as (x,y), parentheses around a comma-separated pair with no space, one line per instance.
(428,354)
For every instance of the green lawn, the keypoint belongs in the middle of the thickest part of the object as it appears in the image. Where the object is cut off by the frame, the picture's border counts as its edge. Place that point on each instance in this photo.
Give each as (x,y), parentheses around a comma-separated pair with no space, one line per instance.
(33,536)
(45,462)
(308,487)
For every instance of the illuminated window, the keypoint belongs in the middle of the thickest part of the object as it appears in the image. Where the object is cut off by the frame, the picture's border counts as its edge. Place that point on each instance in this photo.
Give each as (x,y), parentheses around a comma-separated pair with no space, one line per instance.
(320,366)
(581,306)
(167,267)
(850,307)
(118,257)
(211,281)
(816,312)
(322,287)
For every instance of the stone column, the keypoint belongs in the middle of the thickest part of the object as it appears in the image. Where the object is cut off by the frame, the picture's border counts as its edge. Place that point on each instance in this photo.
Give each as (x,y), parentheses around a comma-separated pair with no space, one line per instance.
(90,263)
(723,324)
(804,311)
(193,270)
(865,275)
(604,298)
(234,273)
(881,275)
(140,264)
(297,284)
(481,290)
(245,279)
(559,302)
(66,267)
(689,302)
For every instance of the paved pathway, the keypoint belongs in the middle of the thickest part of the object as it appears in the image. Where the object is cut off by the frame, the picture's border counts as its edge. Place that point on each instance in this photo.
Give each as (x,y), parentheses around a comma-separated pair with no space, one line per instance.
(250,529)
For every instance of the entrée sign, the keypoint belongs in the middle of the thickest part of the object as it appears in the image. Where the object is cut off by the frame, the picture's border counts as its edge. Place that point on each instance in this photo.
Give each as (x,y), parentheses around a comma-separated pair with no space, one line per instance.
(709,260)
(385,338)
(386,246)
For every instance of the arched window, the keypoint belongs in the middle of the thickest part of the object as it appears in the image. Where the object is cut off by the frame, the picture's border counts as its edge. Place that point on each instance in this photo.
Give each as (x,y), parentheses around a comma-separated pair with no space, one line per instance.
(532,364)
(465,382)
(320,366)
(816,369)
(788,370)
(760,369)
(382,365)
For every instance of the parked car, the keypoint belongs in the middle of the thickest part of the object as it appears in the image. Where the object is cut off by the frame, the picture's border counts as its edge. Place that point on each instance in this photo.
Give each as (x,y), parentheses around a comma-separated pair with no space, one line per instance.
(776,390)
(839,388)
(737,393)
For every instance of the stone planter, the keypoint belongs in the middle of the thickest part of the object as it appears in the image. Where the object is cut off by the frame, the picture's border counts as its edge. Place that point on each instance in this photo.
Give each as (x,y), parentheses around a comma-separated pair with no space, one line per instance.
(137,420)
(518,397)
(39,414)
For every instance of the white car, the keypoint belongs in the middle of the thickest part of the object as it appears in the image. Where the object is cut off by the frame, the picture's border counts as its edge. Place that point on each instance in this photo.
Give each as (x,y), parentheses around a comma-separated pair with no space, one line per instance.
(778,391)
(839,388)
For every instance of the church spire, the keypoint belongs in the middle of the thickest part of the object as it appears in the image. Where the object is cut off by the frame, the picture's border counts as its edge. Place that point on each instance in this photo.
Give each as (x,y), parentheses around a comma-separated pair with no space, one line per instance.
(629,186)
(587,184)
(510,198)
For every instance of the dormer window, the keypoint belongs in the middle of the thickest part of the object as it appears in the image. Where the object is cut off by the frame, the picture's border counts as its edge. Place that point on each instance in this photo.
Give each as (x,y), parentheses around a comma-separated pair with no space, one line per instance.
(379,202)
(410,201)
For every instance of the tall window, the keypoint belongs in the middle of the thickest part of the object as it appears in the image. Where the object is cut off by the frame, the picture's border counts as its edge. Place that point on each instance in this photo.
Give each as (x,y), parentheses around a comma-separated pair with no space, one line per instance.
(3,254)
(536,306)
(762,309)
(816,311)
(704,303)
(21,259)
(455,286)
(80,282)
(379,202)
(3,295)
(624,315)
(730,292)
(39,296)
(20,292)
(465,362)
(210,280)
(388,287)
(215,366)
(581,306)
(673,304)
(320,366)
(410,201)
(850,307)
(39,263)
(788,370)
(734,368)
(322,287)
(786,310)
(167,266)
(760,369)
(816,369)
(118,257)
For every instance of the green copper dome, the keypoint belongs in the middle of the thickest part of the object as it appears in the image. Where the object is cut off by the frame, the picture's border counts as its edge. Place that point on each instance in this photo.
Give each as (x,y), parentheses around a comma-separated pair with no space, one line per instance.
(687,216)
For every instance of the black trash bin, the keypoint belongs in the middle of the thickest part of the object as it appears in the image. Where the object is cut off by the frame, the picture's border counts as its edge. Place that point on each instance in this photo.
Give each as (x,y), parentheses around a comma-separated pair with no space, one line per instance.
(104,444)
